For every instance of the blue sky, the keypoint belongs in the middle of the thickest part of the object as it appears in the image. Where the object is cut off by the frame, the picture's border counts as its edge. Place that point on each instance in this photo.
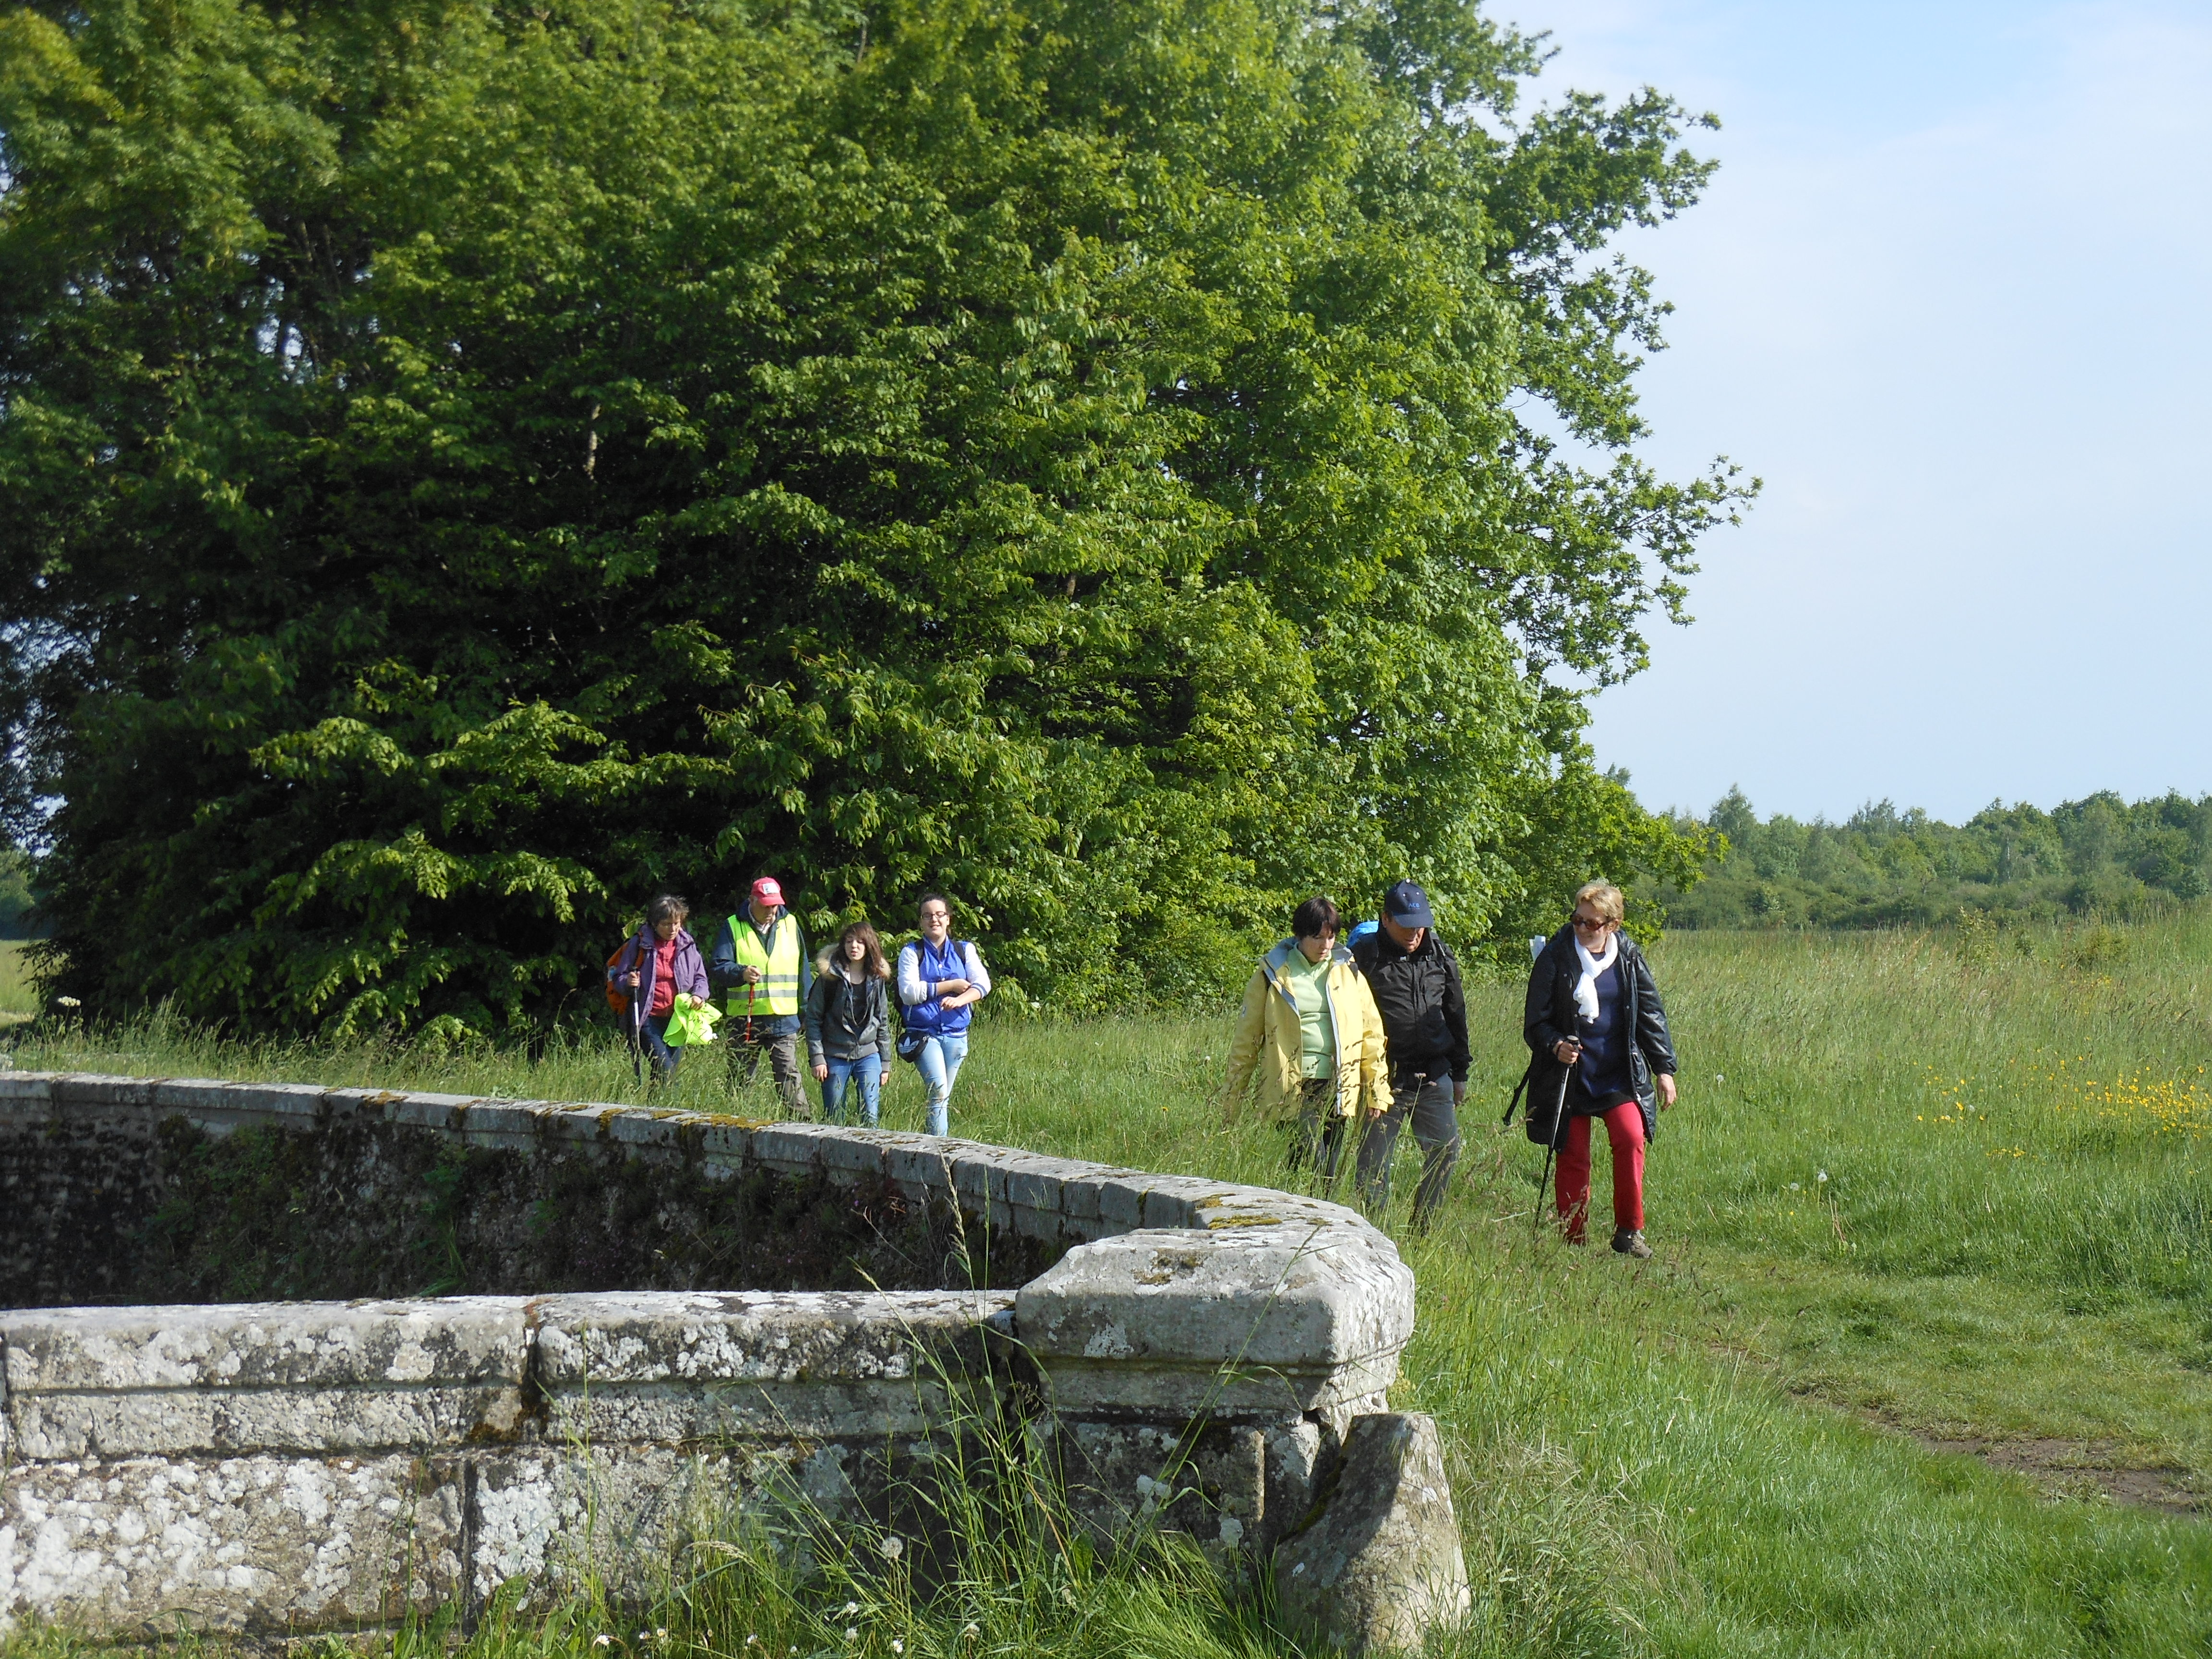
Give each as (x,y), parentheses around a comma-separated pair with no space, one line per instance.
(1950,295)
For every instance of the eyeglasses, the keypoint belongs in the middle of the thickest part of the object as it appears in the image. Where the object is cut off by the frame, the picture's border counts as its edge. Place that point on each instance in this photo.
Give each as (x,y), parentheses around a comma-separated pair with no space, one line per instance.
(1583,923)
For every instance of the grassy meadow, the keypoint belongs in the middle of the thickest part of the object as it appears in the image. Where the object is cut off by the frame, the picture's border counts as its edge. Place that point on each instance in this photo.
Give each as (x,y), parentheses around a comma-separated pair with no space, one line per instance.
(1923,1363)
(18,1000)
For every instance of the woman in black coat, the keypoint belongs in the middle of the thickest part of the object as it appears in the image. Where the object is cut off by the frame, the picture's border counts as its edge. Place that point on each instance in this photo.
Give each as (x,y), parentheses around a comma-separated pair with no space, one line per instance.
(1593,1014)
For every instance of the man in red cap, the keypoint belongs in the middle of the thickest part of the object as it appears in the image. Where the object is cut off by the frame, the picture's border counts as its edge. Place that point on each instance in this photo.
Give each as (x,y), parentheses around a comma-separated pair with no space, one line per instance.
(761,964)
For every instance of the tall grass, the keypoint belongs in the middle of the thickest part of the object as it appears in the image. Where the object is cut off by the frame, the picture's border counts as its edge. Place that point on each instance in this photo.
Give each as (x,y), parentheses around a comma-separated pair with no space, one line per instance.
(1726,1450)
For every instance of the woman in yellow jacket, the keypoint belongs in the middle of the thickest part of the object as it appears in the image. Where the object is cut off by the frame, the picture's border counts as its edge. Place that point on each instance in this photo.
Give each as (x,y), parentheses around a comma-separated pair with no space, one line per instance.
(1310,1031)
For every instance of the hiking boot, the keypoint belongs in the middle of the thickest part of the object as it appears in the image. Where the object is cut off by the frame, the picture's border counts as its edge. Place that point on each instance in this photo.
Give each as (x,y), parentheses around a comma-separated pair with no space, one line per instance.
(1629,1242)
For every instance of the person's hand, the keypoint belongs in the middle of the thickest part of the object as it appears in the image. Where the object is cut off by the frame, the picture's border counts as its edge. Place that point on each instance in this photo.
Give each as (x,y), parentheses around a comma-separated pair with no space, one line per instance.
(694,1002)
(822,1074)
(1666,1089)
(633,978)
(1566,1049)
(1459,1090)
(949,989)
(962,999)
(749,974)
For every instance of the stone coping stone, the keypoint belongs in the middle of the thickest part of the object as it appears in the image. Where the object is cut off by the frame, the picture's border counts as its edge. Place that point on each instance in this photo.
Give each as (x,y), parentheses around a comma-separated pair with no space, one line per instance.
(606,1338)
(238,1422)
(1321,1296)
(444,1341)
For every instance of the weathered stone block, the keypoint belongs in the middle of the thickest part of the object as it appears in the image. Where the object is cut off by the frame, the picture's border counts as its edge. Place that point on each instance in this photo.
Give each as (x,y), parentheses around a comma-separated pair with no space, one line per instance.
(651,1132)
(1300,1454)
(89,1089)
(979,1176)
(747,1336)
(235,1422)
(506,1125)
(344,1105)
(308,1344)
(1330,1299)
(1210,1481)
(727,1139)
(791,1149)
(917,1164)
(1122,1201)
(1036,1183)
(1079,1192)
(611,1416)
(852,1154)
(1380,1566)
(428,1111)
(266,1542)
(586,1124)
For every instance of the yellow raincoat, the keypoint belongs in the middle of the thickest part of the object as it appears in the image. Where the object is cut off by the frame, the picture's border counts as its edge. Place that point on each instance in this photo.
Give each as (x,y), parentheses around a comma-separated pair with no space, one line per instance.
(1269,1043)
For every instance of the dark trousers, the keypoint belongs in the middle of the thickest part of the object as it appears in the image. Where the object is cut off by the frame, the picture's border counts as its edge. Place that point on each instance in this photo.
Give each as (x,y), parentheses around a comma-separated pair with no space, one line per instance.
(747,1043)
(651,1033)
(1427,1102)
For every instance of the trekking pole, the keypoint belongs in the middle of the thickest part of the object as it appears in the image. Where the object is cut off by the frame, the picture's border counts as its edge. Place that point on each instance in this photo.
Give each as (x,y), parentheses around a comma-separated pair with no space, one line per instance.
(637,1033)
(1558,1122)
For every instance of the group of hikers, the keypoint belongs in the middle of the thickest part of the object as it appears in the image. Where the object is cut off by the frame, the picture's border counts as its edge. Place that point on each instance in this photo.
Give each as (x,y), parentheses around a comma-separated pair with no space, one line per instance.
(773,993)
(1351,1042)
(1348,1041)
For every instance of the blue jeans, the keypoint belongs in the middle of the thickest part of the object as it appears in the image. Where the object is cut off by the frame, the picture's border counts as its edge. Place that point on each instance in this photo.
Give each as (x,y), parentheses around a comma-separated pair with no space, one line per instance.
(939,1064)
(651,1030)
(868,1071)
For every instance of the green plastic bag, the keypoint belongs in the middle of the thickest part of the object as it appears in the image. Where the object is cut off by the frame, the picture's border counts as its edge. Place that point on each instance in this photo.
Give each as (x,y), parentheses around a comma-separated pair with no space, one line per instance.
(687,1025)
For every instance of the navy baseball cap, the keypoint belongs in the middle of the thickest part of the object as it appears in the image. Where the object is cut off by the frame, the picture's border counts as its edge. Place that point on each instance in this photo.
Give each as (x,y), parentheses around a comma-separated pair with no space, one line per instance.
(1408,905)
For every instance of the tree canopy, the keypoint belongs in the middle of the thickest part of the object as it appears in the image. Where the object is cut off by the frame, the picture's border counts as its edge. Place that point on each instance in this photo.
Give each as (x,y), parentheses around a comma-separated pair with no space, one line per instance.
(471,466)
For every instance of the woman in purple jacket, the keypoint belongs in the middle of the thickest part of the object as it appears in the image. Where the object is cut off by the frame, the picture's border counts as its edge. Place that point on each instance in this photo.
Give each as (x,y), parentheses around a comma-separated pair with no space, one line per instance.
(659,964)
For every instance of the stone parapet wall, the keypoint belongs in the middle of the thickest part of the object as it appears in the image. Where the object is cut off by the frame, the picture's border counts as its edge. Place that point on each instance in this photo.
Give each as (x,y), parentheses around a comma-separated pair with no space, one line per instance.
(311,1464)
(301,1465)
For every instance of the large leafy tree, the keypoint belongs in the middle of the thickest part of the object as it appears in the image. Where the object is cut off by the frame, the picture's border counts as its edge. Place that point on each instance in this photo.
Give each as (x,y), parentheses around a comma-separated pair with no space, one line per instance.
(468,466)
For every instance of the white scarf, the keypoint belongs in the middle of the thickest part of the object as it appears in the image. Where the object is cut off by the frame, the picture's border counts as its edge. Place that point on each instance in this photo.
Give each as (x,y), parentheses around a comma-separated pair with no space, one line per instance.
(1586,986)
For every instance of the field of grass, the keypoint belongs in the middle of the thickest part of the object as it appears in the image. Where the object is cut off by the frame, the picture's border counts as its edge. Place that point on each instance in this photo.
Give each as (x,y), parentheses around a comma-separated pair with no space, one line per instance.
(1923,1364)
(17,1000)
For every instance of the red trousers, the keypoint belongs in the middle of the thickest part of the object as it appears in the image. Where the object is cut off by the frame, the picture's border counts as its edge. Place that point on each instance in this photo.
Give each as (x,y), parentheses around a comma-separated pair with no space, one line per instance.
(1624,1125)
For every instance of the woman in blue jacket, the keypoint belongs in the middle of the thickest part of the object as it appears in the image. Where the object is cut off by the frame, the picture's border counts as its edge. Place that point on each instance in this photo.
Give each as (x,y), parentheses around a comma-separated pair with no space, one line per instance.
(939,979)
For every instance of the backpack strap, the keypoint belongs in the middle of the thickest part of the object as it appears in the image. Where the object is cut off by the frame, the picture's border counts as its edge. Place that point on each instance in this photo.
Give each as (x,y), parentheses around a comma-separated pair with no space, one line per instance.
(1518,1090)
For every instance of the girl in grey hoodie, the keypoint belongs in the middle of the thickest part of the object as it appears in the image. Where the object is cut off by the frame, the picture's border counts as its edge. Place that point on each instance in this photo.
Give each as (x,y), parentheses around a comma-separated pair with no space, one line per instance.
(848,1021)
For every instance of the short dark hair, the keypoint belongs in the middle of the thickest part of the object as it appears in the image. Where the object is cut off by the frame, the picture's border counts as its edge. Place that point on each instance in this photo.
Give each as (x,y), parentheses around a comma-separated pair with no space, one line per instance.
(1316,916)
(933,896)
(667,907)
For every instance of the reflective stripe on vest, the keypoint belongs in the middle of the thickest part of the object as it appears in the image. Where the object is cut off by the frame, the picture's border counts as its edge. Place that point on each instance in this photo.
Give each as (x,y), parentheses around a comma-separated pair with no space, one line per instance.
(778,961)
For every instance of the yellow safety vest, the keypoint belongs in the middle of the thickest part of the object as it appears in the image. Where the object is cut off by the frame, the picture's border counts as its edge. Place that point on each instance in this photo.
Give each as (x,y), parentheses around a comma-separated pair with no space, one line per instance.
(779,961)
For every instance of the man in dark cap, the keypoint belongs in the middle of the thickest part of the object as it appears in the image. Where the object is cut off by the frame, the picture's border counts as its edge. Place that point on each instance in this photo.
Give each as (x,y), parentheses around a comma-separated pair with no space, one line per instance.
(1416,984)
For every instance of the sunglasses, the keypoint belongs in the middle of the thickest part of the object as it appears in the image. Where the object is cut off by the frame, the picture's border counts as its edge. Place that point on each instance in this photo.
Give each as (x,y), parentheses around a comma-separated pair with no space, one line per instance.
(1586,927)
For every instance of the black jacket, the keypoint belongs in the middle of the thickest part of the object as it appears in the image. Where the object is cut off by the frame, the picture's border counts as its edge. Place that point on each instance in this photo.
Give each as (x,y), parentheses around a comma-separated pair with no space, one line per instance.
(1549,1019)
(843,1020)
(1424,1010)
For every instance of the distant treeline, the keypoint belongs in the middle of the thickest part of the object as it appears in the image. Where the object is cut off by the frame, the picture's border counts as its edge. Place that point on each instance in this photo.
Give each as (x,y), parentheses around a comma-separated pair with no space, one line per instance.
(1881,868)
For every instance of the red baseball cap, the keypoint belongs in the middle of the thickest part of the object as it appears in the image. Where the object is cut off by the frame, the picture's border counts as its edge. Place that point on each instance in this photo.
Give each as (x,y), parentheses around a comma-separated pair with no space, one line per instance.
(767,892)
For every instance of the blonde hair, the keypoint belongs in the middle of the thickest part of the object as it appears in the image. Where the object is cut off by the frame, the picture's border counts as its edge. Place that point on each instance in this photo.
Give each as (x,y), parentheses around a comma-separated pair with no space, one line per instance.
(1603,898)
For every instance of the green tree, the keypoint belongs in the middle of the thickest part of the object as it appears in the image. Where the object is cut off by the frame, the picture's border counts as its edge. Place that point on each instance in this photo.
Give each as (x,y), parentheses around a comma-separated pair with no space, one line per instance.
(470,466)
